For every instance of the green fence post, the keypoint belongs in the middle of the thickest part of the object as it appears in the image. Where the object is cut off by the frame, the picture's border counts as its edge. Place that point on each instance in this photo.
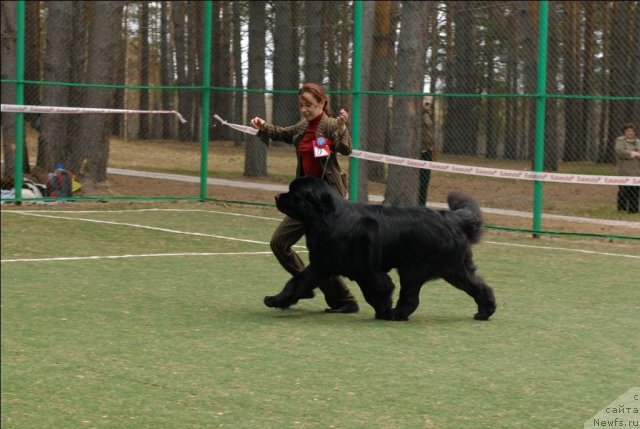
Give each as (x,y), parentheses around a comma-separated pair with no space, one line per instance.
(19,131)
(206,96)
(541,100)
(354,166)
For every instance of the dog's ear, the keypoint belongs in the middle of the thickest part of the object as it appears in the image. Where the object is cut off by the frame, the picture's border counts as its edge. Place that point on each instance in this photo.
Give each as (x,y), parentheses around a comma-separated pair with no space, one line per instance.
(322,202)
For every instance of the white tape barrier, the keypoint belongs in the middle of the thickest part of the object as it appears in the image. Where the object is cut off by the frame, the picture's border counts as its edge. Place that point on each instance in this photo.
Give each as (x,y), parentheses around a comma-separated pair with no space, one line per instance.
(242,128)
(370,156)
(14,108)
(500,173)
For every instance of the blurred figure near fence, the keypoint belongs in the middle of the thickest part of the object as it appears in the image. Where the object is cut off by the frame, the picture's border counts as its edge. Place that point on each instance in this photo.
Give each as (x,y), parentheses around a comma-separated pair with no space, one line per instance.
(317,138)
(428,148)
(627,149)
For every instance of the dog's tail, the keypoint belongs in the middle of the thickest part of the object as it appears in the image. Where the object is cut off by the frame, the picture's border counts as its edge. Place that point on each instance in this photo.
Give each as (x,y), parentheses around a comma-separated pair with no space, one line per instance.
(468,213)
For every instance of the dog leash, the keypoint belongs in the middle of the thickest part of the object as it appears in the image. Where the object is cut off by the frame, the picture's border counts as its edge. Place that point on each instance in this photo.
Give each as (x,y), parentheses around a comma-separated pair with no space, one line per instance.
(324,168)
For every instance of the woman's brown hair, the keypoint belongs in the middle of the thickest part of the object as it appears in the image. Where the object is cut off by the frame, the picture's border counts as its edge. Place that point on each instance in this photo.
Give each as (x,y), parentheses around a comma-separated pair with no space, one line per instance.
(316,91)
(628,126)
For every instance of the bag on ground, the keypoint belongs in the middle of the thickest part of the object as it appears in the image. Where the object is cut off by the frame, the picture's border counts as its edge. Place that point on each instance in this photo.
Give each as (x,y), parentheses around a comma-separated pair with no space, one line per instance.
(60,184)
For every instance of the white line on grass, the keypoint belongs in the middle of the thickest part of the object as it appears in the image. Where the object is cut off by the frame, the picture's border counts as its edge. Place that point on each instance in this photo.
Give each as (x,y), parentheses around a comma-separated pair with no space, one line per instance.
(173,231)
(150,255)
(39,213)
(590,252)
(144,210)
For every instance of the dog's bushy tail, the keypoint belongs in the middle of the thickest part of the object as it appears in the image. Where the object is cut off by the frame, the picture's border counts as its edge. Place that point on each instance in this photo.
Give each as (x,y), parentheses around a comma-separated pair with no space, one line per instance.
(468,212)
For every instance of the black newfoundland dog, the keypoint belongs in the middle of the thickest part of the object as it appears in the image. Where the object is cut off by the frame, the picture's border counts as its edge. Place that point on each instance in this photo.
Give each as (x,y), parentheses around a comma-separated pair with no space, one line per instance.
(364,242)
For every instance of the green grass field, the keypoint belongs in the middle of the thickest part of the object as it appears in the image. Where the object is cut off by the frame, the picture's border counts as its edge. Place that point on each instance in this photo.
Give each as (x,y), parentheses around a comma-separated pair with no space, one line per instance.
(116,316)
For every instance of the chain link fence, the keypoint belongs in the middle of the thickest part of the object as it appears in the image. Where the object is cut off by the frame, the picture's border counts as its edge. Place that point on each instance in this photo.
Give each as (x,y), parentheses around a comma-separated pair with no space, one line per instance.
(457,83)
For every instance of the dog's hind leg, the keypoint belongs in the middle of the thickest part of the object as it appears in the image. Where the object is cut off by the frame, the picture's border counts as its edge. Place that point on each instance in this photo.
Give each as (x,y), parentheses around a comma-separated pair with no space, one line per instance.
(377,289)
(467,280)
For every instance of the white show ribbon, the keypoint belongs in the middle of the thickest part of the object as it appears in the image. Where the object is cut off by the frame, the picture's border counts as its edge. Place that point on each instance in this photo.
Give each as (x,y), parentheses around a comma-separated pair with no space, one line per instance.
(15,108)
(242,128)
(501,173)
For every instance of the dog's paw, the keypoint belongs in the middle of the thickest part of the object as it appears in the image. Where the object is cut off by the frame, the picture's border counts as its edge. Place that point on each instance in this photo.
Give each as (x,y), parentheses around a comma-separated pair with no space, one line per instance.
(274,302)
(485,313)
(398,316)
(481,316)
(486,304)
(384,316)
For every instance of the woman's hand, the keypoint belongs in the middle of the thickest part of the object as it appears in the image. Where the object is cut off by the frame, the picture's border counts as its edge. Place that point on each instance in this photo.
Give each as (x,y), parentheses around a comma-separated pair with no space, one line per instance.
(343,116)
(258,122)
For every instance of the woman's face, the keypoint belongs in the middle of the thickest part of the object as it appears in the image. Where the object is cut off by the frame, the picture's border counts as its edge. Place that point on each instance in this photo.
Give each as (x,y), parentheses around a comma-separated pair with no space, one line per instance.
(309,106)
(630,134)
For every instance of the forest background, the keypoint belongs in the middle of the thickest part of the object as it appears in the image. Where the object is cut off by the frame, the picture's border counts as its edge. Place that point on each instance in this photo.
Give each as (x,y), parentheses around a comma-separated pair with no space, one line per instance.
(478,60)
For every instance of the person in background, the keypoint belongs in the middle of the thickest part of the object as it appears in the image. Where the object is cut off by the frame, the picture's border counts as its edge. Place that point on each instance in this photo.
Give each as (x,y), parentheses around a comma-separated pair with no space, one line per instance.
(428,151)
(627,148)
(317,139)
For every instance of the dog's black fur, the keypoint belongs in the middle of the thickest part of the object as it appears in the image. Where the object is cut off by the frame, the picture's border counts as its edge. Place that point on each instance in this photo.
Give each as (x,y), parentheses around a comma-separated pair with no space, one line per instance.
(364,242)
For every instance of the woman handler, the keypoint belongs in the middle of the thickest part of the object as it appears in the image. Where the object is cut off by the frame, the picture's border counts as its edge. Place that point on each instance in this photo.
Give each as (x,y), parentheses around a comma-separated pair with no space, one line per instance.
(317,138)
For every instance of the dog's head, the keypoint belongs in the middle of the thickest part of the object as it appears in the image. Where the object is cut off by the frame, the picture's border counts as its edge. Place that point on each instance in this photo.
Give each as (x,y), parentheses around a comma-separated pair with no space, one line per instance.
(308,198)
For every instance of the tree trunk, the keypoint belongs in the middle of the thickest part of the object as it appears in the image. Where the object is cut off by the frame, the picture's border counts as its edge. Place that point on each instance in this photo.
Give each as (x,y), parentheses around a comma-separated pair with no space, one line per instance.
(143,123)
(434,73)
(434,36)
(604,83)
(491,125)
(165,73)
(407,110)
(33,49)
(551,148)
(367,41)
(618,78)
(8,95)
(56,129)
(528,17)
(238,97)
(462,110)
(77,95)
(511,103)
(118,121)
(313,46)
(285,66)
(221,69)
(178,15)
(574,148)
(382,62)
(255,162)
(332,18)
(633,83)
(104,31)
(194,45)
(588,124)
(343,101)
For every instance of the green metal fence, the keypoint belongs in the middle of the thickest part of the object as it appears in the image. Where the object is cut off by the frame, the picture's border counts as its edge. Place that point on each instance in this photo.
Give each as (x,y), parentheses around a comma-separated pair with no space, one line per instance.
(526,87)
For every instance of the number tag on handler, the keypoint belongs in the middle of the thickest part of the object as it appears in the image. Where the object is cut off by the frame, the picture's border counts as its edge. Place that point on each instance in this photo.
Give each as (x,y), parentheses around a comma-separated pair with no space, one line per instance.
(321,147)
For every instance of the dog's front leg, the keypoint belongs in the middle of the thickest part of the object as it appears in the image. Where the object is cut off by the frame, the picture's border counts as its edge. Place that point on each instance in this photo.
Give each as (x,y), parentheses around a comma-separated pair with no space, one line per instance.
(300,285)
(377,289)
